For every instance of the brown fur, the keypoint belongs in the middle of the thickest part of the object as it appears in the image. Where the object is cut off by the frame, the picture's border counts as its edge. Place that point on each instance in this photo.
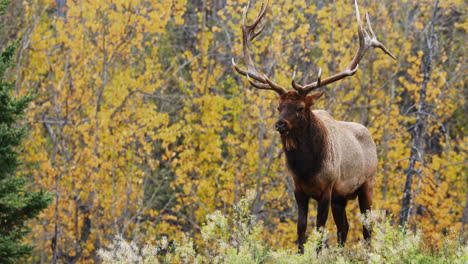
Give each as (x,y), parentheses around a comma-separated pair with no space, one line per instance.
(330,161)
(311,141)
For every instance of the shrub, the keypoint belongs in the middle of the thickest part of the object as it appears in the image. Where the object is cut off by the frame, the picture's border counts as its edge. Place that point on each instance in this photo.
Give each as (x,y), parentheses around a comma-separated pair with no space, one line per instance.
(236,240)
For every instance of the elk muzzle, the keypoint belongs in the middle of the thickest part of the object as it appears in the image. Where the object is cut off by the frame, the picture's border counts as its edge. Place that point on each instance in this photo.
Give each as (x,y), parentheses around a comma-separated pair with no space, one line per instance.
(281,126)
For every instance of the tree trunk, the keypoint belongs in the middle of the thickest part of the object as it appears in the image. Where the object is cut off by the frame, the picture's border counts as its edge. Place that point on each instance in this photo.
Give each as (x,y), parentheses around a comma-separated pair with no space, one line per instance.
(465,211)
(419,126)
(464,219)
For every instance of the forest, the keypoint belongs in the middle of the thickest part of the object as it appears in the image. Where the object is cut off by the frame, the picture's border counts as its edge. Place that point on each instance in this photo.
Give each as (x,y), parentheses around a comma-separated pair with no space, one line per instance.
(151,148)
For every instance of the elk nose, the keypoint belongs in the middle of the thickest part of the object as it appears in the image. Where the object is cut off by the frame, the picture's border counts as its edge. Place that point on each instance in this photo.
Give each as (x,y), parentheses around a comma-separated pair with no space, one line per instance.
(281,126)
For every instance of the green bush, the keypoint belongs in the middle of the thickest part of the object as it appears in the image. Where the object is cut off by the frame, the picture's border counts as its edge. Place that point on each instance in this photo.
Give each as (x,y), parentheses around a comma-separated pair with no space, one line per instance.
(237,240)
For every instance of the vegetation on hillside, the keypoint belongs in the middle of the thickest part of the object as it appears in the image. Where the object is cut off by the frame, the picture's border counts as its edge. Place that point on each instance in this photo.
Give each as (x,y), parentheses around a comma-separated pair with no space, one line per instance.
(238,240)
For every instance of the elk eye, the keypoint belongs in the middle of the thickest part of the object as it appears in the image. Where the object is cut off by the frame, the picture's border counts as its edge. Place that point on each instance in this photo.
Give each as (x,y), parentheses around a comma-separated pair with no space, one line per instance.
(300,109)
(279,109)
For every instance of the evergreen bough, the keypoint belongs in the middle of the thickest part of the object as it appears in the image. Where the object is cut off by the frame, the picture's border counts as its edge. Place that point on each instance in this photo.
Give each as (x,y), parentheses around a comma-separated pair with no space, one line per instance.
(17,204)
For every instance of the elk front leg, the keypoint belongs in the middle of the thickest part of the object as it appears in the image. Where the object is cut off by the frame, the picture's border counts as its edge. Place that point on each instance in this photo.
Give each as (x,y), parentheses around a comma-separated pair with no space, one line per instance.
(339,214)
(302,208)
(322,213)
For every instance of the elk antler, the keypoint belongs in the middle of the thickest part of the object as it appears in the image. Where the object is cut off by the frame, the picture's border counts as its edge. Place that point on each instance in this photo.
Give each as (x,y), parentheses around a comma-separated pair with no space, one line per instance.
(365,42)
(248,34)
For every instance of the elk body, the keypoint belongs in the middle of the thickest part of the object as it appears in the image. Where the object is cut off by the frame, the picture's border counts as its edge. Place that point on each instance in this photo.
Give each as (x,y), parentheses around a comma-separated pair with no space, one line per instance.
(330,161)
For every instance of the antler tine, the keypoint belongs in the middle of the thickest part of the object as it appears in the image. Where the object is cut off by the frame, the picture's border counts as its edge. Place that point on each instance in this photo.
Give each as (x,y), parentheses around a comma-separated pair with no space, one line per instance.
(269,86)
(365,42)
(245,73)
(369,26)
(258,85)
(301,89)
(244,13)
(375,43)
(274,86)
(250,28)
(255,34)
(248,34)
(319,76)
(362,33)
(260,14)
(296,86)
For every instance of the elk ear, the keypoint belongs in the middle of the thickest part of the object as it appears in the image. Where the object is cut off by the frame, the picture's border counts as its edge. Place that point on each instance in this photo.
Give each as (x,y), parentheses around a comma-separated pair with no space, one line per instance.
(311,98)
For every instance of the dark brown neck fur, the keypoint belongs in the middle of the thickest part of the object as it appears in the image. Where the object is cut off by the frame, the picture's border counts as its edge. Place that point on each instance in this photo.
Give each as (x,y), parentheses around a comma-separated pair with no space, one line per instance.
(306,147)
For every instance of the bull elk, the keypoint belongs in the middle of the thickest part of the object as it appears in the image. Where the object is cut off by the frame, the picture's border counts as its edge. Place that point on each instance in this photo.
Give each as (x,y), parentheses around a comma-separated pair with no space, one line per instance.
(330,161)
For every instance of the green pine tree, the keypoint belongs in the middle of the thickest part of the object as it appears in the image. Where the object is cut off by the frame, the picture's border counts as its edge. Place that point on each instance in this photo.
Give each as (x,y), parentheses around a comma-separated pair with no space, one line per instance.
(17,204)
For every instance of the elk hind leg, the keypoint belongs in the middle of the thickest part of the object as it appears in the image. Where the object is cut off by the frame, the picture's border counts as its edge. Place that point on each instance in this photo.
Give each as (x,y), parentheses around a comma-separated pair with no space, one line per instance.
(365,203)
(322,214)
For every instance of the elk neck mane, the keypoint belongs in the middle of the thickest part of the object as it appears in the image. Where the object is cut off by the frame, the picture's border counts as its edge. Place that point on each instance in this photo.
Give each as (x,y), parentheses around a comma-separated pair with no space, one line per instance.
(307,148)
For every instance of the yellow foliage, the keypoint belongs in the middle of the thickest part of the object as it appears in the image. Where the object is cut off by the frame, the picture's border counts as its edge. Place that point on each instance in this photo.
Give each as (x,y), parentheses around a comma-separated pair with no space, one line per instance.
(140,126)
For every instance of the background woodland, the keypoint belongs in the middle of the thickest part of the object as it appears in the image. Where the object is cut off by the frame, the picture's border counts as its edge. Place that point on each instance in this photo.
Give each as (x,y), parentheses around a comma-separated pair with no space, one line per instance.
(140,127)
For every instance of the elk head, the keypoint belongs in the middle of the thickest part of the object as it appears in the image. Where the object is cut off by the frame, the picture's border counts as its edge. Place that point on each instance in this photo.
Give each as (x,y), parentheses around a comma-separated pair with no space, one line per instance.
(294,110)
(294,106)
